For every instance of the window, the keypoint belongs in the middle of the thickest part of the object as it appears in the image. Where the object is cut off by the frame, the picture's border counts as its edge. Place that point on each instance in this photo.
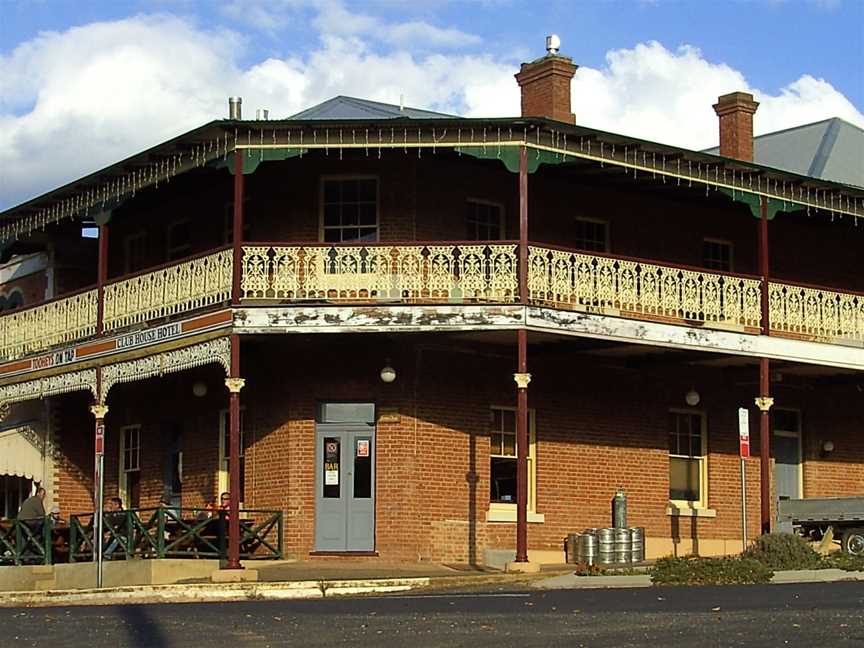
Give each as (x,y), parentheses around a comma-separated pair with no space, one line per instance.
(224,448)
(14,300)
(688,449)
(485,221)
(502,456)
(13,491)
(717,255)
(591,235)
(349,209)
(136,252)
(130,466)
(179,240)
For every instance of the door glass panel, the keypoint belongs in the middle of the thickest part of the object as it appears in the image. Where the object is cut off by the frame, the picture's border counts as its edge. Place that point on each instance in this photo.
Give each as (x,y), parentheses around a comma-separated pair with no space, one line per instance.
(331,467)
(363,468)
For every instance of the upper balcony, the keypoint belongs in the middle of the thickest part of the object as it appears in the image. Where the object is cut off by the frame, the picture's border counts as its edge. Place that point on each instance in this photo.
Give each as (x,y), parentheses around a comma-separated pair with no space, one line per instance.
(446,273)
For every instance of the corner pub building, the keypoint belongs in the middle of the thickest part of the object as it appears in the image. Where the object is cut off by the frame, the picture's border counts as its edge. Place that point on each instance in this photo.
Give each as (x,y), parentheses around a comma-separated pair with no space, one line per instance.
(420,337)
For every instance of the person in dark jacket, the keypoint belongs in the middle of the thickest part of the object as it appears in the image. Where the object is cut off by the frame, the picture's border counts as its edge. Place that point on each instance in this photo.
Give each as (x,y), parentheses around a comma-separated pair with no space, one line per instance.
(32,514)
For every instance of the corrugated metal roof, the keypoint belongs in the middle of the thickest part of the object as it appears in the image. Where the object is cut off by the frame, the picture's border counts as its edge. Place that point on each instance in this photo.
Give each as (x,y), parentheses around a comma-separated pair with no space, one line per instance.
(832,150)
(342,108)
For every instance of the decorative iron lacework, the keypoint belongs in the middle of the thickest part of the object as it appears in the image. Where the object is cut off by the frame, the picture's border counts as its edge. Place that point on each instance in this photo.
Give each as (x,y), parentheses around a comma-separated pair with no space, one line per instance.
(216,351)
(463,273)
(84,380)
(815,313)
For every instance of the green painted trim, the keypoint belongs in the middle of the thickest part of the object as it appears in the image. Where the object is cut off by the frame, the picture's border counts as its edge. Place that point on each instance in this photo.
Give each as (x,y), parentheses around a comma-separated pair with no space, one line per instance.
(754,202)
(509,156)
(253,158)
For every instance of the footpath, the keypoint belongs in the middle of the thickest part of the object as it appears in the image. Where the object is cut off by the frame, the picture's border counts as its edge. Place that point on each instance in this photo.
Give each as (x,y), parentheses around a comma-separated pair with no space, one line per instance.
(321,580)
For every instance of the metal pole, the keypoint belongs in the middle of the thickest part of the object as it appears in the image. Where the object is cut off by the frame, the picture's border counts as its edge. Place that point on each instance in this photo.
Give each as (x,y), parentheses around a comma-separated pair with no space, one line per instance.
(743,505)
(97,527)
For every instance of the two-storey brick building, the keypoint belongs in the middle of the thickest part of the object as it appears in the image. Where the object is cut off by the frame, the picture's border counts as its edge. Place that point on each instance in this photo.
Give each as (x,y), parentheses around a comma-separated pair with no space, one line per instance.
(443,338)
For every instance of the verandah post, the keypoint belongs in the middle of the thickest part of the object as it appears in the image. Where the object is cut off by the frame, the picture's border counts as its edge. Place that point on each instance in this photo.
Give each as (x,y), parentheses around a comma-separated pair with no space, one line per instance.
(522,377)
(237,238)
(764,400)
(101,278)
(234,384)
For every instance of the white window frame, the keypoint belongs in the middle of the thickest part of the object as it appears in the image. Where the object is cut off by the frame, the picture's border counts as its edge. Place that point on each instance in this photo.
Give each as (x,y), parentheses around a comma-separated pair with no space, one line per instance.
(491,203)
(169,248)
(127,244)
(702,503)
(223,479)
(718,241)
(793,434)
(596,221)
(347,176)
(504,511)
(122,469)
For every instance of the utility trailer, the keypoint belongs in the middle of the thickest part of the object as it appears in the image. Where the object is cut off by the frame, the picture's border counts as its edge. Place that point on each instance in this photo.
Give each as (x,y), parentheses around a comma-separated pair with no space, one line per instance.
(813,516)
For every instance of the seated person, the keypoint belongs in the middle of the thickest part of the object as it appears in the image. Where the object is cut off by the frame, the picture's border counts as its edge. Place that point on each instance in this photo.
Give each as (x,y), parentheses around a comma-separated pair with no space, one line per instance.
(114,525)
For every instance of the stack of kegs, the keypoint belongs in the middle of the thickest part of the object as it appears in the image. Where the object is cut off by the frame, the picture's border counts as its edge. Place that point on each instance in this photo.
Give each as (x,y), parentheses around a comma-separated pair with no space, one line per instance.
(608,546)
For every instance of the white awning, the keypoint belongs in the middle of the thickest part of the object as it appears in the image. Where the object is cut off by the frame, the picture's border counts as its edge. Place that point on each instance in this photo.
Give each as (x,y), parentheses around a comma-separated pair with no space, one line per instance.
(21,453)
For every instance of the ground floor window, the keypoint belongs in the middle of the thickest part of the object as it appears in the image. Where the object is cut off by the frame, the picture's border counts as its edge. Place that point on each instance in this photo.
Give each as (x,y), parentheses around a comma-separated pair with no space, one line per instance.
(130,466)
(502,457)
(224,448)
(688,463)
(13,491)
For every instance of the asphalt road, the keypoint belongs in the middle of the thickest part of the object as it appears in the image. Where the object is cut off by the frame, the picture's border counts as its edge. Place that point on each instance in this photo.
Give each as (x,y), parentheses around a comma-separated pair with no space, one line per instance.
(772,615)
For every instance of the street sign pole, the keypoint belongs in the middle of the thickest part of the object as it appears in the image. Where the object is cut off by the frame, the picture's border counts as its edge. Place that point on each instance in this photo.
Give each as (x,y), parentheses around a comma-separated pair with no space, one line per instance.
(744,453)
(98,494)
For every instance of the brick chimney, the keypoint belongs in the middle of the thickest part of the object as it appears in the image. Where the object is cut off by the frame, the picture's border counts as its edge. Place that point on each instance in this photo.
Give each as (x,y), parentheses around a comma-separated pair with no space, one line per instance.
(545,84)
(735,111)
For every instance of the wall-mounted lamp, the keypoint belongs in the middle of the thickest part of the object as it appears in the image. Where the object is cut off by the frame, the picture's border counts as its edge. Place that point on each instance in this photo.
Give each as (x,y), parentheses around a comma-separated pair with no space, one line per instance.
(827,447)
(388,373)
(692,398)
(199,389)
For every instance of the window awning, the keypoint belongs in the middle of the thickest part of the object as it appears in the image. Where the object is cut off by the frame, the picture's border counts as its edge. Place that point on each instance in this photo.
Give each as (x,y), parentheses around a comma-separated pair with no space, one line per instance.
(21,453)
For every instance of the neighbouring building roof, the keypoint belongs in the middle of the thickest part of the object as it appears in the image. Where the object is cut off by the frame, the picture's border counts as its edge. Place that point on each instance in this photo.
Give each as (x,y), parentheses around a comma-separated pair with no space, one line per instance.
(832,149)
(342,108)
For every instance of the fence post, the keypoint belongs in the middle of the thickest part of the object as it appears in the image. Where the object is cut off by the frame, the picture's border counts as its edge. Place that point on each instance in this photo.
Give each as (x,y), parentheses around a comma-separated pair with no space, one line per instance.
(281,538)
(73,537)
(47,528)
(223,554)
(128,544)
(18,541)
(160,529)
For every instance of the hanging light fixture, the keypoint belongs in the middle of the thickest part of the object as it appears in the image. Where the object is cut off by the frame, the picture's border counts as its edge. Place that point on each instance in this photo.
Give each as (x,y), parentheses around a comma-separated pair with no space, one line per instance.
(692,397)
(388,373)
(199,389)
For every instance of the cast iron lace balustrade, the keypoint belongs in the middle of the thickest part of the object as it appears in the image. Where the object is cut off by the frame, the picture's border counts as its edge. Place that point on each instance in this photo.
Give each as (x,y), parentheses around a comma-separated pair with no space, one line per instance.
(448,273)
(815,313)
(178,288)
(40,327)
(641,290)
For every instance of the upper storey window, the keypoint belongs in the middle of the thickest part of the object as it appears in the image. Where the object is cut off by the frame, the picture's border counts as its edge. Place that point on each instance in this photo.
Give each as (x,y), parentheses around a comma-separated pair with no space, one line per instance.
(717,255)
(485,221)
(591,235)
(349,209)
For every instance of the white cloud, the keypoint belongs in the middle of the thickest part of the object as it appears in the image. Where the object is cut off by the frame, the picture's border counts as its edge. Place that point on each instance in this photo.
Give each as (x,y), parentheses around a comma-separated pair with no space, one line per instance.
(75,101)
(667,96)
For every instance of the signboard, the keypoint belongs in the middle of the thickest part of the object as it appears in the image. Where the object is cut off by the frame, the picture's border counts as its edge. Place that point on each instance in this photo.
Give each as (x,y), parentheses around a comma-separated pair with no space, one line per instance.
(100,439)
(331,462)
(362,447)
(744,432)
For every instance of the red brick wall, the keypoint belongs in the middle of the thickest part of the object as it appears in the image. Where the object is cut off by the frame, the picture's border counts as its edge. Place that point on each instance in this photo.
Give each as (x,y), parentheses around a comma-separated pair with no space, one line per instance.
(598,427)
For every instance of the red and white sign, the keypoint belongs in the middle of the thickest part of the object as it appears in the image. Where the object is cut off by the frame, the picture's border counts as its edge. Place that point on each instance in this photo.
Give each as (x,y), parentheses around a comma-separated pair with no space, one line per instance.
(362,447)
(100,439)
(744,432)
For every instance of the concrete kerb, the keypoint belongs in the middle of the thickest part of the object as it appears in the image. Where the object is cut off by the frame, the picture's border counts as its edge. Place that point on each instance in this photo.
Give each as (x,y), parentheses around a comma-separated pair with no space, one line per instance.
(210,592)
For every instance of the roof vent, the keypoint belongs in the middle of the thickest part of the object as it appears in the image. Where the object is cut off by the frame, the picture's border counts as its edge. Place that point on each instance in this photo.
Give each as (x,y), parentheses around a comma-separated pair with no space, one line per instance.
(553,44)
(235,105)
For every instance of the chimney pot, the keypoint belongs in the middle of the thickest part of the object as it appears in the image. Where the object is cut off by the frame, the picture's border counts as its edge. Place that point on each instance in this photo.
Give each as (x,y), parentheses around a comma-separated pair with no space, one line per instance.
(235,108)
(735,112)
(545,84)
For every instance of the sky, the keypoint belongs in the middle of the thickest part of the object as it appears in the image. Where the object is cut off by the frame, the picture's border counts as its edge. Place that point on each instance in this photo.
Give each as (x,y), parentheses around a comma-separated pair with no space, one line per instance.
(84,83)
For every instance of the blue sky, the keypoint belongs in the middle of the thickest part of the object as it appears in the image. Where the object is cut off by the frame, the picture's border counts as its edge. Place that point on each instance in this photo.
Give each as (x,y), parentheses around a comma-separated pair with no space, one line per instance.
(110,78)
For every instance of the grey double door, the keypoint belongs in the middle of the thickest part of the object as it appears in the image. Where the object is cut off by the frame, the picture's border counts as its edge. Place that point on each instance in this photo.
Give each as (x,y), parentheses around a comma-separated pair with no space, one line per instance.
(344,487)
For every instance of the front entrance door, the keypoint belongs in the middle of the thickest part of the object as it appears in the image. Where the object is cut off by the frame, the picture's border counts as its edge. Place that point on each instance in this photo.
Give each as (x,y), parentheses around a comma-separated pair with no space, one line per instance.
(345,487)
(787,454)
